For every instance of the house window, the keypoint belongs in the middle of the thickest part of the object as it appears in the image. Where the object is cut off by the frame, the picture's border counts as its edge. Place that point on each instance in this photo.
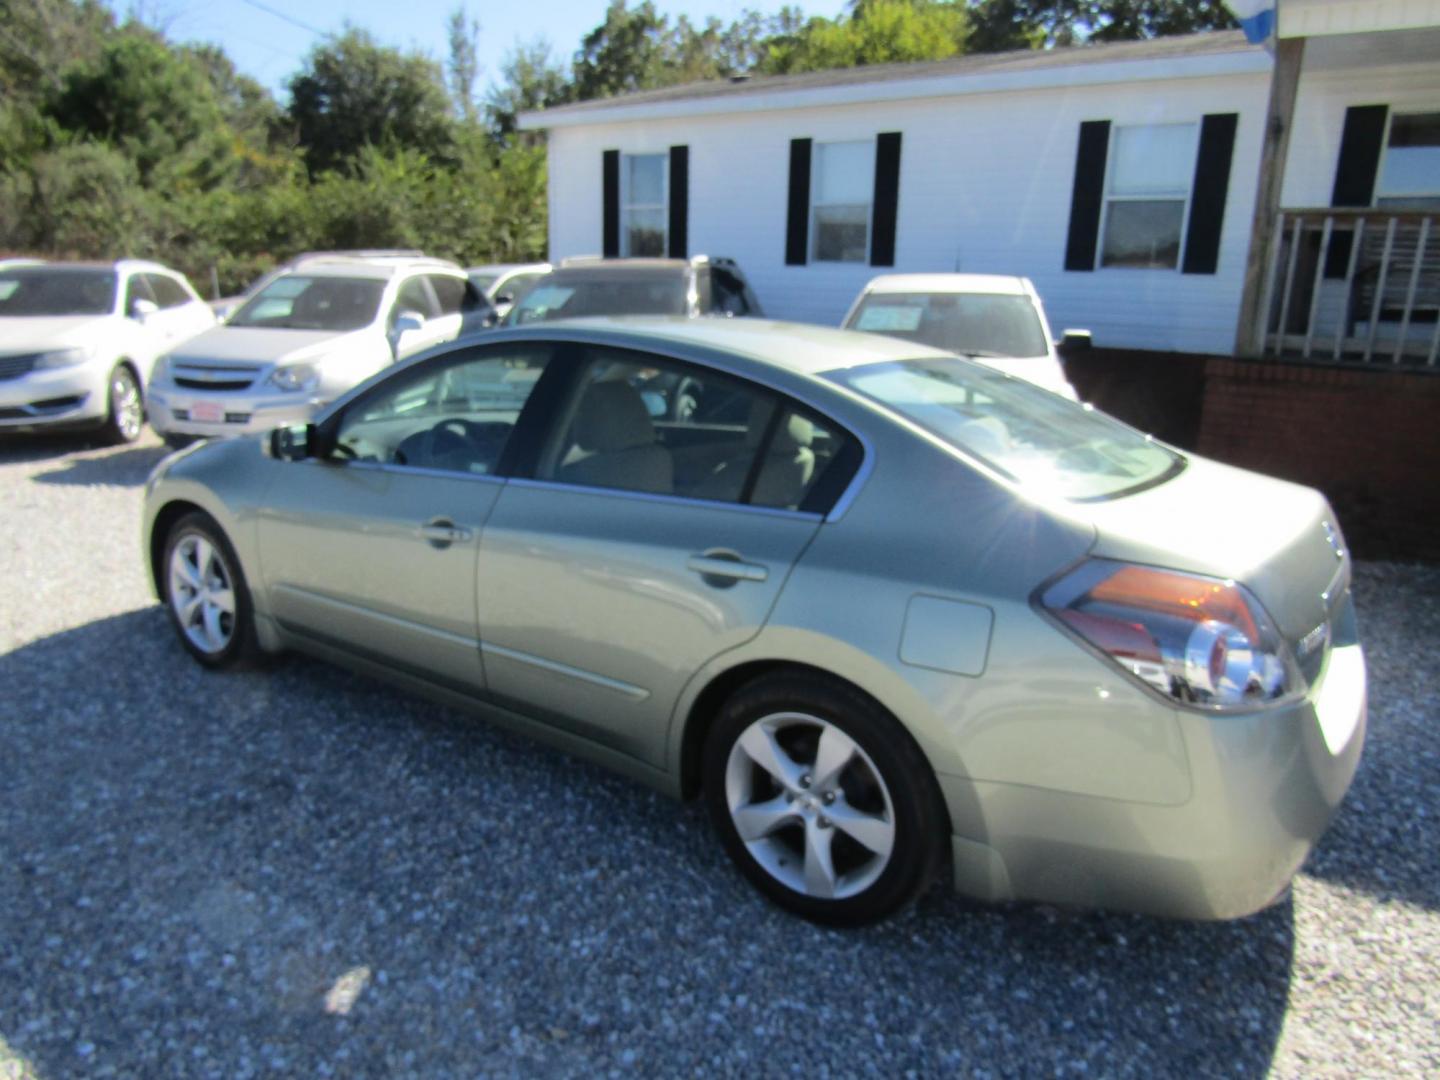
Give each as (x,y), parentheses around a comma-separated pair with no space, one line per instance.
(644,207)
(1147,190)
(1410,175)
(842,185)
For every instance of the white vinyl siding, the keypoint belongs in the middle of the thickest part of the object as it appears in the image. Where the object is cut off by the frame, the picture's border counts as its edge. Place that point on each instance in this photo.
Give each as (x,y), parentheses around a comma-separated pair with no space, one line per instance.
(644,204)
(1149,172)
(842,185)
(985,188)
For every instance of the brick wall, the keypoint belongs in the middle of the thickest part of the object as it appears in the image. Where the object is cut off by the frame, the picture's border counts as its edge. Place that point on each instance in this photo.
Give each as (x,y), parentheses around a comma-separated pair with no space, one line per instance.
(1368,438)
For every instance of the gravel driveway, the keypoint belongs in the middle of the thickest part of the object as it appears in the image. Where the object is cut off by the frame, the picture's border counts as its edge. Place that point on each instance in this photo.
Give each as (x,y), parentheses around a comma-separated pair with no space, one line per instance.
(304,873)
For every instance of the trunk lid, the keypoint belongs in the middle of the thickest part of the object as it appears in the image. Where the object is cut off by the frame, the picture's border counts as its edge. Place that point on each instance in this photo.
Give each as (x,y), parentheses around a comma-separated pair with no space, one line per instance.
(1280,540)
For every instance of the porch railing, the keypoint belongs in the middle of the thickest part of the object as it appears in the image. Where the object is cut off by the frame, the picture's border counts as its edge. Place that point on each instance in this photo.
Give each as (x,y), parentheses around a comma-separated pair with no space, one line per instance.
(1354,286)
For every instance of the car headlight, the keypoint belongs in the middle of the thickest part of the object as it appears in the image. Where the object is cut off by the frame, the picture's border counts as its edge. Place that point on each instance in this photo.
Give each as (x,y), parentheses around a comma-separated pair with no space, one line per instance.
(296,378)
(1197,640)
(62,358)
(161,371)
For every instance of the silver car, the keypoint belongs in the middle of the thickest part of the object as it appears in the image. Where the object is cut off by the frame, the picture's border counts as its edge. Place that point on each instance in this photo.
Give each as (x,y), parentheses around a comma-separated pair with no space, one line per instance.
(893,614)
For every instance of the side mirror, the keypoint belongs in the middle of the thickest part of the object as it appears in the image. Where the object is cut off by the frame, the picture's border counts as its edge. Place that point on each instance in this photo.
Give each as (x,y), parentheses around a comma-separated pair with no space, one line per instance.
(293,442)
(140,310)
(1073,341)
(503,298)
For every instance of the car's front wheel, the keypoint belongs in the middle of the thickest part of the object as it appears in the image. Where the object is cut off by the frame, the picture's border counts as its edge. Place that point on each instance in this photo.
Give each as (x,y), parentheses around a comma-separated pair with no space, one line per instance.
(206,594)
(823,799)
(125,409)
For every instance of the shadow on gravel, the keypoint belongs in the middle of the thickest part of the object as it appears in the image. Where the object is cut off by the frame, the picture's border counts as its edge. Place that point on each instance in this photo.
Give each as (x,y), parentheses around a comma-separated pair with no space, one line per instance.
(301,872)
(1386,839)
(22,448)
(119,468)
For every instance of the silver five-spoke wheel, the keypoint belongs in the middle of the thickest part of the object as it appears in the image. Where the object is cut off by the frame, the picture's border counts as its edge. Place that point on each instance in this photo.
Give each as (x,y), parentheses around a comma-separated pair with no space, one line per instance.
(202,593)
(810,805)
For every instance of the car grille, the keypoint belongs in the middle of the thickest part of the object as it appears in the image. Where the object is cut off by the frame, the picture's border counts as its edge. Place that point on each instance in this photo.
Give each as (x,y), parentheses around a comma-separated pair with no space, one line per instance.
(12,367)
(213,376)
(210,384)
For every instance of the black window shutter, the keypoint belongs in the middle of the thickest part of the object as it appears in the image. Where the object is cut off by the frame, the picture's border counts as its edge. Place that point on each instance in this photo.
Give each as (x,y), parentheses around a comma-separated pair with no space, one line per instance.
(1088,195)
(1361,143)
(1207,196)
(611,214)
(679,201)
(887,198)
(797,225)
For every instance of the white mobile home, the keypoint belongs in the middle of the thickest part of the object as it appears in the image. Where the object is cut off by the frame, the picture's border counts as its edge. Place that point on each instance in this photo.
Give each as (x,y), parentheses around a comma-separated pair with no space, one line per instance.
(1121,178)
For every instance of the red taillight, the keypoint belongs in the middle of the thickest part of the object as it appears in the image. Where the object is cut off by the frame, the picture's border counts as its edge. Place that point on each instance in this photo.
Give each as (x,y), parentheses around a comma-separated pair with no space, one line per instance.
(1196,639)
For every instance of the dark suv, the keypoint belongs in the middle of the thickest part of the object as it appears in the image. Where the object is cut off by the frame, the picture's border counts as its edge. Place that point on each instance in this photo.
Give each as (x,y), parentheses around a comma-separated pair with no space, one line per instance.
(700,285)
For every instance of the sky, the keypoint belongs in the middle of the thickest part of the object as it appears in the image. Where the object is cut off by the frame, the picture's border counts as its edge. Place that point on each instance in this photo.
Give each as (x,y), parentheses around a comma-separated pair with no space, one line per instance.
(269,39)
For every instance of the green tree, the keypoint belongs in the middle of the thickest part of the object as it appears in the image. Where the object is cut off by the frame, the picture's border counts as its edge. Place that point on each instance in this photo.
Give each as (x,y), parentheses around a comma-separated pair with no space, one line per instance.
(629,51)
(876,32)
(531,79)
(462,68)
(1010,24)
(353,93)
(153,104)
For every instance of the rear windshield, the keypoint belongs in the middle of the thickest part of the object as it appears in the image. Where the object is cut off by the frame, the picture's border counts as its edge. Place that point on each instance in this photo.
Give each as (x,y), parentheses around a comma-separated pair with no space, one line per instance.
(301,302)
(1034,437)
(562,297)
(978,324)
(44,290)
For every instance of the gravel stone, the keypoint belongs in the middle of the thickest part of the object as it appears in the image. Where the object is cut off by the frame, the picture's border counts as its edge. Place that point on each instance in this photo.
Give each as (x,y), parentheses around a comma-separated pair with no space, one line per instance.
(302,872)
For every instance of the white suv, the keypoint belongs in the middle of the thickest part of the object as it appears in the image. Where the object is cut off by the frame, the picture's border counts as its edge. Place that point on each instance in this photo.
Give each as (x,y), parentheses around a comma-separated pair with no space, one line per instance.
(78,340)
(995,319)
(306,337)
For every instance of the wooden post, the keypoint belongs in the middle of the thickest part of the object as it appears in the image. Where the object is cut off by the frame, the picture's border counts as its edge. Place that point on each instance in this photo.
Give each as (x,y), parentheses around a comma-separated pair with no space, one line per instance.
(1284,84)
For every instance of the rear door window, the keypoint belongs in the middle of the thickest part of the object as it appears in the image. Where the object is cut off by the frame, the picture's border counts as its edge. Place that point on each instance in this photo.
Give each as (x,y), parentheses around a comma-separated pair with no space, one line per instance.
(168,292)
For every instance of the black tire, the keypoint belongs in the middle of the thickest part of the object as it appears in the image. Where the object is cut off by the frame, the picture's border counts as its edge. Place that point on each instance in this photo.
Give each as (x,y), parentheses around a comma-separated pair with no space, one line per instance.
(240,648)
(124,408)
(915,807)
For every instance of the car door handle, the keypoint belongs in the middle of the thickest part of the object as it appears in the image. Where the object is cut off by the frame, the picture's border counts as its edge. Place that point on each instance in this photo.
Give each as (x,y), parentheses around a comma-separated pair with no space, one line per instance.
(726,566)
(442,533)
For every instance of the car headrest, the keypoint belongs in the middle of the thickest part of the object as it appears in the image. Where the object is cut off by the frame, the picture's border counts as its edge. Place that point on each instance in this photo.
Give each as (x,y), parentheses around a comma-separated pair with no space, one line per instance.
(794,433)
(612,417)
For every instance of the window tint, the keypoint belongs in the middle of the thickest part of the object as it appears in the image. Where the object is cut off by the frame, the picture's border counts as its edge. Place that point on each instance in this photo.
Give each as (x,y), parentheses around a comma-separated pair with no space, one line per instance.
(456,416)
(1151,169)
(639,423)
(566,296)
(168,292)
(44,290)
(302,302)
(137,288)
(841,190)
(977,324)
(449,292)
(413,296)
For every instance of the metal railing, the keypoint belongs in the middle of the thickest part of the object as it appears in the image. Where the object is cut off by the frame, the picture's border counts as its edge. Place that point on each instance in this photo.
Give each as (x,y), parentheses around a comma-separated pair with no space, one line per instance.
(1354,286)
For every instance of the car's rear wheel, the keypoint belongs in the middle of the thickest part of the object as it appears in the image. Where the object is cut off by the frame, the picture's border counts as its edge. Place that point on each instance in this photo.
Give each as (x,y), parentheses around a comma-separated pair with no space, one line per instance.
(125,409)
(206,594)
(822,799)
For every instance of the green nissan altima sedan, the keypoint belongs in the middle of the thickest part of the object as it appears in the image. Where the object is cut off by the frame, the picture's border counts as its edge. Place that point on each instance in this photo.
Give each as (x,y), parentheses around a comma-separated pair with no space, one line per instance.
(892,614)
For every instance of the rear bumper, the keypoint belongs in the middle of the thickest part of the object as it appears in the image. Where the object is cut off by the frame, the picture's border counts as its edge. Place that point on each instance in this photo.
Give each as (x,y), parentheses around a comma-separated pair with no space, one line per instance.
(1265,786)
(171,412)
(58,398)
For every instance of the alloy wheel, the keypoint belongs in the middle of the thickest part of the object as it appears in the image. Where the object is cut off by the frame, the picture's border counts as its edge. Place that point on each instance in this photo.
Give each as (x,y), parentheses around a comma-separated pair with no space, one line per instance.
(126,405)
(202,594)
(809,805)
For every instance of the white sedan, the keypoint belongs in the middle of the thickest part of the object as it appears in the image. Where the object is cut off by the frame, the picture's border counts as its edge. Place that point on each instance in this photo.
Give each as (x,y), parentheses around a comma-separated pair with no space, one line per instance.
(78,340)
(995,319)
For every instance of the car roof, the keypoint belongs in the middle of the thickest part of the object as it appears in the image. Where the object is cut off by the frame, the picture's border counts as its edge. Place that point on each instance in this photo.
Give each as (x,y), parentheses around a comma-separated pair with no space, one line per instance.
(803,348)
(378,269)
(509,268)
(123,266)
(999,284)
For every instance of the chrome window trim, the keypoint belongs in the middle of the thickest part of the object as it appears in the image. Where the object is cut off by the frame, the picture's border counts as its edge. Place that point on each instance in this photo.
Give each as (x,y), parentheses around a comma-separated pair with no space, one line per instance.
(408,470)
(651,496)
